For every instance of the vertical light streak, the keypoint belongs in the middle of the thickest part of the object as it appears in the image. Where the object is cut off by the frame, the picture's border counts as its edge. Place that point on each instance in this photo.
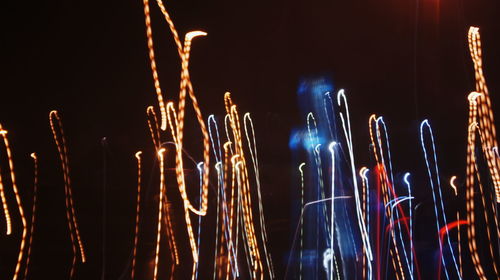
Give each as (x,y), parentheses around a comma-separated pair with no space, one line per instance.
(333,261)
(391,188)
(172,119)
(153,127)
(221,192)
(137,212)
(248,221)
(348,137)
(301,166)
(252,147)
(195,265)
(485,112)
(160,206)
(33,212)
(18,200)
(366,216)
(5,206)
(70,211)
(152,61)
(425,123)
(471,162)
(455,189)
(410,210)
(312,129)
(385,183)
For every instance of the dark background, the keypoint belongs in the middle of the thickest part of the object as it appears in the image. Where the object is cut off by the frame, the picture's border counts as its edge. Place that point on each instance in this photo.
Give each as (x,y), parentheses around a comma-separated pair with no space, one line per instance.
(88,59)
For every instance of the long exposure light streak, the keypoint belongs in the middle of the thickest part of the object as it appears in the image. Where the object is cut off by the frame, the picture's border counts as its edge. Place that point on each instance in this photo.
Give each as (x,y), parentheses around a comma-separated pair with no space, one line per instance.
(471,175)
(348,137)
(252,147)
(60,140)
(366,216)
(301,220)
(439,197)
(485,112)
(33,212)
(5,205)
(410,209)
(455,189)
(137,212)
(18,201)
(160,206)
(385,183)
(333,262)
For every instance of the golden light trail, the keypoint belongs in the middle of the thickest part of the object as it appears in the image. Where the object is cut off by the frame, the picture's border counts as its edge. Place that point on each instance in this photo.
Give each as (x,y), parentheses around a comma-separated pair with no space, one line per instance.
(455,189)
(18,200)
(5,206)
(137,212)
(172,118)
(151,52)
(33,212)
(471,229)
(153,127)
(396,261)
(70,211)
(160,206)
(485,112)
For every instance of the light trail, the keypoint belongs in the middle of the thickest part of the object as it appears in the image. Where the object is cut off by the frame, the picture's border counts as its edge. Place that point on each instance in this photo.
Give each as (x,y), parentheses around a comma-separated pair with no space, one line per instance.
(471,175)
(160,206)
(333,261)
(384,182)
(438,198)
(152,60)
(366,216)
(70,211)
(348,137)
(18,200)
(455,189)
(252,147)
(33,212)
(484,110)
(410,208)
(301,220)
(137,212)
(5,205)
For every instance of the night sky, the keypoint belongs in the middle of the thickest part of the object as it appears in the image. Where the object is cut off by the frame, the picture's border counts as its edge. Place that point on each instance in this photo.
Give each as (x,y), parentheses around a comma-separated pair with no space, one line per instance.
(88,60)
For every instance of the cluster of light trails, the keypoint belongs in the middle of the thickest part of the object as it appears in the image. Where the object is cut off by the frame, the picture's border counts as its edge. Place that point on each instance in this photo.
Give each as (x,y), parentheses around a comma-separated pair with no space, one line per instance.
(354,223)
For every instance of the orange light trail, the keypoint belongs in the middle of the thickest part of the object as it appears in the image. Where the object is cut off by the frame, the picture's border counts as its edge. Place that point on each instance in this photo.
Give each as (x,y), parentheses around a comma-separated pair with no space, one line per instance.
(471,229)
(160,206)
(70,212)
(5,206)
(33,212)
(18,200)
(137,211)
(485,112)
